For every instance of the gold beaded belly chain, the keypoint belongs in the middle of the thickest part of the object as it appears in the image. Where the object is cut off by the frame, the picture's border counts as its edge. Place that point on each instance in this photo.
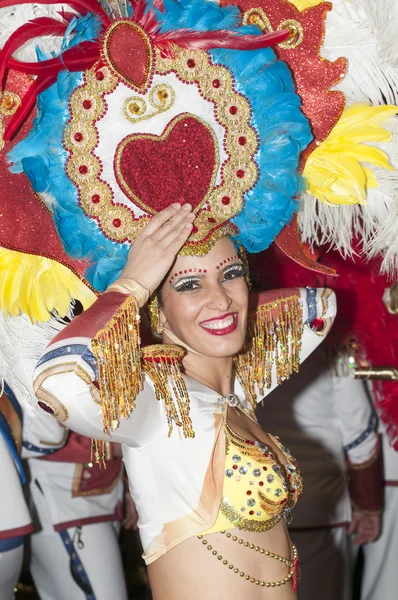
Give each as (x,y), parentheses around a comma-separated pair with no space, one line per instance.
(292,564)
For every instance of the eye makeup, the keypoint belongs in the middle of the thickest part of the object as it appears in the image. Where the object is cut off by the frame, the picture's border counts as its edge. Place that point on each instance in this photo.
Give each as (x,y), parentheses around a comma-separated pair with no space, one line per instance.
(235,270)
(187,272)
(186,283)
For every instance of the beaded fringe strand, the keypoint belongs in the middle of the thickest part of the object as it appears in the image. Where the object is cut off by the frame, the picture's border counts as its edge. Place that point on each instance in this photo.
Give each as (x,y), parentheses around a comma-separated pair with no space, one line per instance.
(274,338)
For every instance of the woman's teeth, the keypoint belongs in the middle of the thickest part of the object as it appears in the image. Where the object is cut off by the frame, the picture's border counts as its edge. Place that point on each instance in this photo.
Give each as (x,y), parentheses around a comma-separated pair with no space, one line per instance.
(223,324)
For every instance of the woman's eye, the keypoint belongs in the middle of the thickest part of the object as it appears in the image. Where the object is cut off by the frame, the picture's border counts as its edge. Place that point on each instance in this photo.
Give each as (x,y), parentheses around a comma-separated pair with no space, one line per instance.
(233,272)
(186,285)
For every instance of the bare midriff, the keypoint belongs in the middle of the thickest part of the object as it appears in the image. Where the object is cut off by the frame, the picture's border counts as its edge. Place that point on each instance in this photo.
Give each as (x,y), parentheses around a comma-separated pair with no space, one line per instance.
(194,570)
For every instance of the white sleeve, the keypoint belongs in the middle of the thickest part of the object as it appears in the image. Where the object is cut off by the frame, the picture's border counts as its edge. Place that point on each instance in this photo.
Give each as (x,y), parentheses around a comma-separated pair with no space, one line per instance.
(356,419)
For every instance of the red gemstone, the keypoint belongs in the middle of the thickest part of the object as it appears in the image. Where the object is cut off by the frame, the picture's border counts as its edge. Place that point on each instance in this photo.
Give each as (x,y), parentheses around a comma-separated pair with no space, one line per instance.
(233,110)
(46,407)
(194,229)
(78,136)
(95,198)
(261,483)
(251,512)
(83,170)
(99,76)
(240,173)
(116,222)
(249,493)
(265,468)
(225,200)
(216,83)
(235,467)
(317,324)
(87,104)
(242,141)
(211,220)
(191,63)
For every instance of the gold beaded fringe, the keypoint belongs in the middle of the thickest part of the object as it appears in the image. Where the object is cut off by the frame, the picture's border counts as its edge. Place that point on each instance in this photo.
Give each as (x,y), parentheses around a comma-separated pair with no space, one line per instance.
(290,563)
(274,338)
(162,363)
(118,354)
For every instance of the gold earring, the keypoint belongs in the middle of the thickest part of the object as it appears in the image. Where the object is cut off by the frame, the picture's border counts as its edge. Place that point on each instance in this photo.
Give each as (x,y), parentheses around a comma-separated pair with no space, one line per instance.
(154,316)
(243,256)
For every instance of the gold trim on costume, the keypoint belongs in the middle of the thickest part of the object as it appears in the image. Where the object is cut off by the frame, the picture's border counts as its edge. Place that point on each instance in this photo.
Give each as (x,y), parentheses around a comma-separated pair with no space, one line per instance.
(162,364)
(274,338)
(117,350)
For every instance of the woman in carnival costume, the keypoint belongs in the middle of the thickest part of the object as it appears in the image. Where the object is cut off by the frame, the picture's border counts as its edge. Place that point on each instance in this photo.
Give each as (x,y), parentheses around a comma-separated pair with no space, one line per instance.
(181,138)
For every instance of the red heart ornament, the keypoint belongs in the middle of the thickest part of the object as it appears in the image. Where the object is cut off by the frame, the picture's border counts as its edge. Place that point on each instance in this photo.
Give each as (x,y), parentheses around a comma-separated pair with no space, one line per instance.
(128,51)
(178,166)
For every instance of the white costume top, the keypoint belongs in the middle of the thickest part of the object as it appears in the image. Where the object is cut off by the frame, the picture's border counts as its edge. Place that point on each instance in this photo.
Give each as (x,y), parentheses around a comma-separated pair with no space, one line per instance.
(176,482)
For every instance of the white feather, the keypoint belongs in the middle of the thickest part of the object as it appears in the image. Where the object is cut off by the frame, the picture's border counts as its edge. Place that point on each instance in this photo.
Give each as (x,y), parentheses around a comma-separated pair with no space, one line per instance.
(22,343)
(363,32)
(13,17)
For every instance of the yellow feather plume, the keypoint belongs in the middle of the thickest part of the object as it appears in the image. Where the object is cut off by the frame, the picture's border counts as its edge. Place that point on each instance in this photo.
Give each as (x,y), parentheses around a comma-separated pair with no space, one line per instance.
(35,286)
(334,171)
(303,4)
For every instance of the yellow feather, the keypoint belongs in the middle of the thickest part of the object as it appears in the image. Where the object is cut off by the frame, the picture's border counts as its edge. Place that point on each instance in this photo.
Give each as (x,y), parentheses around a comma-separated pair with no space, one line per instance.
(335,172)
(36,286)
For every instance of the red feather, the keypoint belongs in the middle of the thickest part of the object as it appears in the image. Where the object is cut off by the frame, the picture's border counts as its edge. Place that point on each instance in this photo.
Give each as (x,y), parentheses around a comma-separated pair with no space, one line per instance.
(32,29)
(76,58)
(82,6)
(206,40)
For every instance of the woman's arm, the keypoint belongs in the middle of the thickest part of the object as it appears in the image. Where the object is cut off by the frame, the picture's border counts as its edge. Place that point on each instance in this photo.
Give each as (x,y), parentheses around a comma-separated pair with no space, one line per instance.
(66,380)
(287,325)
(91,376)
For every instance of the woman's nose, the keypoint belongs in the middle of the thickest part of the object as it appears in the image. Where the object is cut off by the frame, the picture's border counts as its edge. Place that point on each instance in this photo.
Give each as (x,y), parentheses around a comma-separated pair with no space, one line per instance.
(218,299)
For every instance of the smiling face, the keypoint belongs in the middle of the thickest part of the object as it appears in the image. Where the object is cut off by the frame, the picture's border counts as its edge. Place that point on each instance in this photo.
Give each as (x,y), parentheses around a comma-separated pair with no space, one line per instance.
(204,301)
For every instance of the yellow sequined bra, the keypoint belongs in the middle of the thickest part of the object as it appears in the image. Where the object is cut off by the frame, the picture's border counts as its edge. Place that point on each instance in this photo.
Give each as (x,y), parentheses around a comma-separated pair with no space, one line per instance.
(258,492)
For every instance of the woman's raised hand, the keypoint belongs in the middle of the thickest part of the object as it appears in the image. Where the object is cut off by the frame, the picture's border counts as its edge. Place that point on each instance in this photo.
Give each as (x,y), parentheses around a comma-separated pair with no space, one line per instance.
(154,250)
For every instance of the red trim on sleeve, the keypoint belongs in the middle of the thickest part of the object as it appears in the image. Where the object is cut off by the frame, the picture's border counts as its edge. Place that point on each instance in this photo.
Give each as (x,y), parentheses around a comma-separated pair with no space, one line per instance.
(94,318)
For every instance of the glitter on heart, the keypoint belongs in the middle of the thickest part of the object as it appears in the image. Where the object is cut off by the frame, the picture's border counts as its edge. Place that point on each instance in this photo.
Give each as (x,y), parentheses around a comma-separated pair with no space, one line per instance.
(128,51)
(179,165)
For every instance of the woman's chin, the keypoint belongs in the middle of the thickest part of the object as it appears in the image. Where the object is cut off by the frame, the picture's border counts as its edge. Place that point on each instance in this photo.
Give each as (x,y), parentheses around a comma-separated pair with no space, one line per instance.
(219,346)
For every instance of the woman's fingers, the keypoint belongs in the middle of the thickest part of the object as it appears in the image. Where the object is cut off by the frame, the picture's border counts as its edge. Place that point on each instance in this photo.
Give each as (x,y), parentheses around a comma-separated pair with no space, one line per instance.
(178,237)
(162,217)
(173,225)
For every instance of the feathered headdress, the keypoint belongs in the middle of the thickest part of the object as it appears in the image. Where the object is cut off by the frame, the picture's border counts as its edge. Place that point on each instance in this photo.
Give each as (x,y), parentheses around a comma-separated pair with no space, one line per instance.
(179,102)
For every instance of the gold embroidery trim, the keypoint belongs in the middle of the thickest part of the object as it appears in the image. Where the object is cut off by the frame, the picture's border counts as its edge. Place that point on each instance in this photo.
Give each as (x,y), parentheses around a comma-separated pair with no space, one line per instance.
(257,16)
(246,524)
(161,98)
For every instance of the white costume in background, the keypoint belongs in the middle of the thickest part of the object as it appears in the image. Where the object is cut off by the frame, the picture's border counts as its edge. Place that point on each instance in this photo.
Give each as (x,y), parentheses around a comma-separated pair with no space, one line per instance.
(77,507)
(15,519)
(380,576)
(322,419)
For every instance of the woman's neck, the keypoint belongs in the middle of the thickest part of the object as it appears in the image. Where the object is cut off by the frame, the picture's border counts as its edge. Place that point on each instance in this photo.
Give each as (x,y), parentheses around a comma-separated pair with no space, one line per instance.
(215,373)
